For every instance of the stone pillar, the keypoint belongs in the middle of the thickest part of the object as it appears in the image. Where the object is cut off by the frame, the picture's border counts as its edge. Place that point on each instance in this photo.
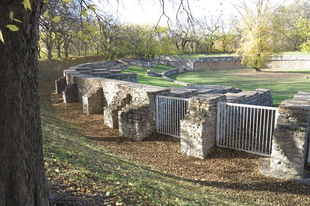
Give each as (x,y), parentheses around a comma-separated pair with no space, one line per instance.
(110,117)
(60,85)
(136,123)
(93,101)
(289,149)
(290,140)
(198,129)
(70,94)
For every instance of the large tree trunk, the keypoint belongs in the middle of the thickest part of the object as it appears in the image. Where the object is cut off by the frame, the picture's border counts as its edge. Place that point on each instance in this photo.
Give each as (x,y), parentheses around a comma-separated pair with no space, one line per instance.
(66,48)
(22,174)
(58,50)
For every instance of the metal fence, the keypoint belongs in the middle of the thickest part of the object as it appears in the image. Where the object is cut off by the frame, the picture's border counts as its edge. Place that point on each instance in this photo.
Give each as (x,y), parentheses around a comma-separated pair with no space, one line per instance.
(170,111)
(246,127)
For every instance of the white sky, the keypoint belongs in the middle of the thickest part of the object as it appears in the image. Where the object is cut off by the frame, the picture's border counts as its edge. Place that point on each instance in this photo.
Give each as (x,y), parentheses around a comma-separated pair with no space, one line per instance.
(149,11)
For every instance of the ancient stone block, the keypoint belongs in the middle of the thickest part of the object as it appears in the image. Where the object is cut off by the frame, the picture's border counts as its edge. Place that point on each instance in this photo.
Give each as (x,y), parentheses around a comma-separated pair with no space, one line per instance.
(60,85)
(198,129)
(70,94)
(93,101)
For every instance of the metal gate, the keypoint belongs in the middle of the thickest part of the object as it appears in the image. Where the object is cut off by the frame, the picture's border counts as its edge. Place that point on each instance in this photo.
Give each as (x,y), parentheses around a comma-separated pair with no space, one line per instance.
(246,127)
(170,111)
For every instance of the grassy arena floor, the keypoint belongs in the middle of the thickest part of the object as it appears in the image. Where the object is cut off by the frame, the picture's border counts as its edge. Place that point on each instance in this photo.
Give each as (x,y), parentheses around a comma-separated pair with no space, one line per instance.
(156,81)
(195,56)
(90,164)
(283,83)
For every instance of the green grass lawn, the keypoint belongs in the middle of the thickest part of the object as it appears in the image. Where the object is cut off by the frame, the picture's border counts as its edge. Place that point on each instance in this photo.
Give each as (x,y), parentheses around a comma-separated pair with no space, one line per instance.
(283,83)
(156,81)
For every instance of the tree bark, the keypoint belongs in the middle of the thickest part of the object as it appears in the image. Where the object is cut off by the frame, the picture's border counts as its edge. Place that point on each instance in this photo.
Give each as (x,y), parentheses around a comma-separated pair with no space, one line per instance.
(49,47)
(22,174)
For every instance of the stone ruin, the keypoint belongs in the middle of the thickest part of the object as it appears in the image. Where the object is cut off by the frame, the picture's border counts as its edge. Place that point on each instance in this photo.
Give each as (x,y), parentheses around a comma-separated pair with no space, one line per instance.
(131,107)
(291,143)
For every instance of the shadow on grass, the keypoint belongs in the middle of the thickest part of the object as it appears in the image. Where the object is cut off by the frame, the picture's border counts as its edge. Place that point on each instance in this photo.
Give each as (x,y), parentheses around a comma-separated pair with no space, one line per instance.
(155,137)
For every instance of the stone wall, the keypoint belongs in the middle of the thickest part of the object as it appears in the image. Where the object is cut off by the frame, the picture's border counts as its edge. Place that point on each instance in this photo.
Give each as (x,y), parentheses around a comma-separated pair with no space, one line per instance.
(290,145)
(290,62)
(139,61)
(110,96)
(198,129)
(214,63)
(229,62)
(260,97)
(136,122)
(185,64)
(151,73)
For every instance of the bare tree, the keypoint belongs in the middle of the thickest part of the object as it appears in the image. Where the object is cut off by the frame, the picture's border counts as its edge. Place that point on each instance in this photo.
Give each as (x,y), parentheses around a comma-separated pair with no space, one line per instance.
(211,28)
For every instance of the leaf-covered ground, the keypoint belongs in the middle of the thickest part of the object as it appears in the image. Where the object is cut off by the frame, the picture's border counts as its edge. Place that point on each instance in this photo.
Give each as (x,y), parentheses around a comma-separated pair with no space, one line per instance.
(90,164)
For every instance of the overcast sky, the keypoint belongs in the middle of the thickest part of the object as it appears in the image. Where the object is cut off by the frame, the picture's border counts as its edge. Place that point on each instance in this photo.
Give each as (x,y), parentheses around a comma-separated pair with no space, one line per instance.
(149,11)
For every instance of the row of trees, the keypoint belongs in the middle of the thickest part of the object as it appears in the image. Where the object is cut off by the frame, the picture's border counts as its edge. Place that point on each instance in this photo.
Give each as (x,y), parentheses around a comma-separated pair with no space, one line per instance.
(287,28)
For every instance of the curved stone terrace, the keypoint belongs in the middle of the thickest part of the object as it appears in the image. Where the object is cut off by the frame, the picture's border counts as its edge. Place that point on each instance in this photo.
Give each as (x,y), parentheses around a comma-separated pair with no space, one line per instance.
(131,107)
(103,88)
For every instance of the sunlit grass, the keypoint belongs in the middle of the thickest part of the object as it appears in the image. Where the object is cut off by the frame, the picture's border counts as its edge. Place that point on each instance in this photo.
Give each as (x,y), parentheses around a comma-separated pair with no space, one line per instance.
(281,88)
(156,81)
(195,56)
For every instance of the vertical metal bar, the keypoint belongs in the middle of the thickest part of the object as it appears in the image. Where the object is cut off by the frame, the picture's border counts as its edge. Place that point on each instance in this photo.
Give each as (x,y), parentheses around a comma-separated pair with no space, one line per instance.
(239,127)
(263,132)
(236,127)
(177,118)
(173,116)
(260,130)
(161,113)
(217,123)
(243,126)
(165,117)
(256,118)
(232,125)
(228,136)
(233,109)
(267,132)
(229,118)
(250,128)
(169,117)
(224,122)
(246,128)
(177,115)
(157,112)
